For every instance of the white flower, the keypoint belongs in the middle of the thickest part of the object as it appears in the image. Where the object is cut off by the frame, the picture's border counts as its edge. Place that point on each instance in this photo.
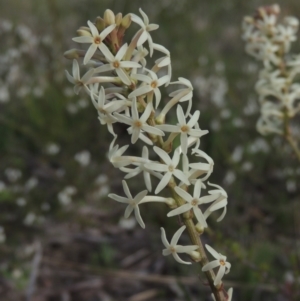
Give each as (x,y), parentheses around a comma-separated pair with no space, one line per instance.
(115,153)
(220,261)
(184,94)
(139,124)
(132,202)
(144,31)
(185,129)
(164,61)
(200,168)
(173,248)
(229,295)
(141,168)
(96,41)
(169,168)
(220,202)
(76,80)
(193,202)
(108,119)
(151,85)
(101,105)
(116,63)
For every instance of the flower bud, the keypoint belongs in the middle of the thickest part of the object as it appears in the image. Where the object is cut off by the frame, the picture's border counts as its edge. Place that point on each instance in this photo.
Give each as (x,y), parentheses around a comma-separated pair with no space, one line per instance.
(196,256)
(84,31)
(71,54)
(200,228)
(118,19)
(126,21)
(109,17)
(100,24)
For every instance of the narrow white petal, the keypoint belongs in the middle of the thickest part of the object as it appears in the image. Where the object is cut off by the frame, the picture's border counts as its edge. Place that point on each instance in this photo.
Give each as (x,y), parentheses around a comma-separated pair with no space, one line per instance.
(194,119)
(163,155)
(128,211)
(186,249)
(211,265)
(164,238)
(212,251)
(122,52)
(142,39)
(180,210)
(180,116)
(107,31)
(90,52)
(138,198)
(169,128)
(218,205)
(177,235)
(93,28)
(84,39)
(185,195)
(163,182)
(181,176)
(138,217)
(118,198)
(123,76)
(140,91)
(197,189)
(75,70)
(153,130)
(70,78)
(135,135)
(178,259)
(199,216)
(220,275)
(156,166)
(126,189)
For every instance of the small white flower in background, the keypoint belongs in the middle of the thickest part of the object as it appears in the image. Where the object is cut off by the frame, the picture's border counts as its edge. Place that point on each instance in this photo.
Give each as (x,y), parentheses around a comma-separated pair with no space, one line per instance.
(31,183)
(21,202)
(269,41)
(2,186)
(29,219)
(17,273)
(132,202)
(83,158)
(2,235)
(65,196)
(13,174)
(173,248)
(219,262)
(52,148)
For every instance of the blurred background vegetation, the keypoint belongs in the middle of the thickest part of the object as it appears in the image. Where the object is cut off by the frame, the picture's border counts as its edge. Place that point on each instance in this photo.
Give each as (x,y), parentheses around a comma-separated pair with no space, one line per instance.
(61,237)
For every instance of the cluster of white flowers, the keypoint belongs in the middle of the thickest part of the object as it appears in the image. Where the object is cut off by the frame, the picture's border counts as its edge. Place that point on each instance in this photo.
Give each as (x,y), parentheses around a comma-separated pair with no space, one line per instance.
(270,41)
(124,89)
